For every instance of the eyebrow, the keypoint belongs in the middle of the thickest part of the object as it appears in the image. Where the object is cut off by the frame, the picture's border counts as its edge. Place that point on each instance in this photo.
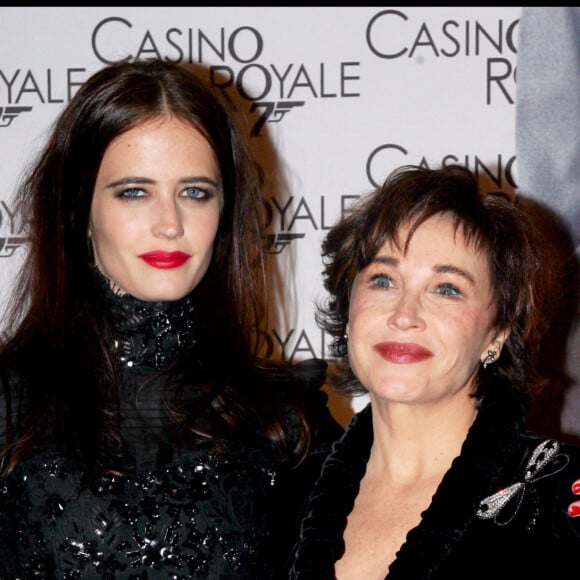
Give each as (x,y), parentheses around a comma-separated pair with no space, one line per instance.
(387,260)
(132,180)
(438,269)
(448,269)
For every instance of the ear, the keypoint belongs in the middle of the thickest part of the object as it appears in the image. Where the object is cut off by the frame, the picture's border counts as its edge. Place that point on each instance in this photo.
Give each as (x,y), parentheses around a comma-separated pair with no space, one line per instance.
(495,346)
(346,331)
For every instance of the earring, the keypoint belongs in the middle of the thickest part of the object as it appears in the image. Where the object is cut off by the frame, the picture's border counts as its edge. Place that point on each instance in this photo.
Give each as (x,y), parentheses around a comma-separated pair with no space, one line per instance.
(491,354)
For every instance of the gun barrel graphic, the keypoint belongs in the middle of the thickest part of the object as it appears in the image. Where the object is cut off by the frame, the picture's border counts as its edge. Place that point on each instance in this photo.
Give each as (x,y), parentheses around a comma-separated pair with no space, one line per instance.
(276,243)
(8,114)
(283,107)
(273,112)
(9,245)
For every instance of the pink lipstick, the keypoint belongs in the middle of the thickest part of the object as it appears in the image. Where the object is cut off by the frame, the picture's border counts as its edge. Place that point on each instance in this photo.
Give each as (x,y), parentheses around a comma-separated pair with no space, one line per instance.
(402,352)
(165,260)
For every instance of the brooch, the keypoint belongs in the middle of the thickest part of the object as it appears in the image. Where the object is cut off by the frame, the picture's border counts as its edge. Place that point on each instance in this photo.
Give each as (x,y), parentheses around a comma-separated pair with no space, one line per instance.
(494,505)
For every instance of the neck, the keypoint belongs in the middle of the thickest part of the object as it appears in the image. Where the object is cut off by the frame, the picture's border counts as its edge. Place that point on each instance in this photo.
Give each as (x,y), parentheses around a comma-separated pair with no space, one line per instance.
(411,442)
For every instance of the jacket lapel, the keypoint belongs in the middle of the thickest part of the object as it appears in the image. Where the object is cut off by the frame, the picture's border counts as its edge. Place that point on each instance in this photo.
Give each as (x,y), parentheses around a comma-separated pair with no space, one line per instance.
(490,443)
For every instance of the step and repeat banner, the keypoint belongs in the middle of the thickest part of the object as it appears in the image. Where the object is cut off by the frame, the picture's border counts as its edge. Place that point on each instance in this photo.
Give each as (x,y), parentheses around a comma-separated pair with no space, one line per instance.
(332,100)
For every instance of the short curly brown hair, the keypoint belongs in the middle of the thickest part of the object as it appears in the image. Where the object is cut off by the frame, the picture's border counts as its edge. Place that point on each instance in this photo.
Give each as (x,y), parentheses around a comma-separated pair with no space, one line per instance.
(492,221)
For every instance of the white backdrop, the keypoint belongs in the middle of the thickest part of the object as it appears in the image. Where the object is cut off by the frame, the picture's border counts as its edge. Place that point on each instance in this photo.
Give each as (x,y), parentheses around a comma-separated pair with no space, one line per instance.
(335,99)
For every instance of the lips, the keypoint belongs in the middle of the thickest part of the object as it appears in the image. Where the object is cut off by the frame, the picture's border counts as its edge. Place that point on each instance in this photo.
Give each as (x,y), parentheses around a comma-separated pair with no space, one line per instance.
(402,352)
(165,260)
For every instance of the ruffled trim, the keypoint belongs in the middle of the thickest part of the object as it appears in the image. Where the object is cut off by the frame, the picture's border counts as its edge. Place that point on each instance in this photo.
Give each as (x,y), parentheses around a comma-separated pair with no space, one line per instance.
(490,442)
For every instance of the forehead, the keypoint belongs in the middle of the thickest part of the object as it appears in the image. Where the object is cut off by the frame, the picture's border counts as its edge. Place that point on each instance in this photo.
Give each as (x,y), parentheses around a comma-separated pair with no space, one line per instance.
(160,148)
(438,240)
(441,227)
(159,132)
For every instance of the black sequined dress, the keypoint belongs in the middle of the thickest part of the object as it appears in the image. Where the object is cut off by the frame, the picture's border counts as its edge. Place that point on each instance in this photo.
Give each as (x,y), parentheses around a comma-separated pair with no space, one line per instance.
(192,513)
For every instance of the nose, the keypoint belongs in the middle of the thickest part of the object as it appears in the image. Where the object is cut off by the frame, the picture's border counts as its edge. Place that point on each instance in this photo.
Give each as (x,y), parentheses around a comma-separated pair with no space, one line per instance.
(407,313)
(167,220)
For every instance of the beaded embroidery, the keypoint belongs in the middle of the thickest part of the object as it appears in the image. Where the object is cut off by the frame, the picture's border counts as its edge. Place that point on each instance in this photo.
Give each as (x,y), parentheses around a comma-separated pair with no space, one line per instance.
(194,514)
(149,334)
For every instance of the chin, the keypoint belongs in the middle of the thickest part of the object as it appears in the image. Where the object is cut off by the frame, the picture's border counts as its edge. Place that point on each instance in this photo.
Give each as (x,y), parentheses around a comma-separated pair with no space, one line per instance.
(162,294)
(396,391)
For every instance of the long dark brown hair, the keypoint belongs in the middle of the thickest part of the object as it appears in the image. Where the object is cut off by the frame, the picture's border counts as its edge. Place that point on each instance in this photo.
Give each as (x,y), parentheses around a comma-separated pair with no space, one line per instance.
(58,338)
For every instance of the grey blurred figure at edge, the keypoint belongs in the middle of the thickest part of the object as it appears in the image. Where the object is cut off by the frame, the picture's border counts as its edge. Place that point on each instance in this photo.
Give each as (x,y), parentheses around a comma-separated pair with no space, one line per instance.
(548,172)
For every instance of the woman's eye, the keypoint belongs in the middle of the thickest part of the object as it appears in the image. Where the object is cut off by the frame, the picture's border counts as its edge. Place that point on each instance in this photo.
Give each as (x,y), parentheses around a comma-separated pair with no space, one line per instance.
(197,193)
(130,193)
(448,290)
(381,281)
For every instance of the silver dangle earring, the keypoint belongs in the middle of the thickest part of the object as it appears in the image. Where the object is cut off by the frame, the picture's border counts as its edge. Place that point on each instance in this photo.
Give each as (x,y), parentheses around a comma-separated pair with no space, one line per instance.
(491,354)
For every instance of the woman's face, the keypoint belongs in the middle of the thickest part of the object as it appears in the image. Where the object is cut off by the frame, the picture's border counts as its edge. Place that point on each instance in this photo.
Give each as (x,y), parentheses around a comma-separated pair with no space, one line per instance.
(155,210)
(421,323)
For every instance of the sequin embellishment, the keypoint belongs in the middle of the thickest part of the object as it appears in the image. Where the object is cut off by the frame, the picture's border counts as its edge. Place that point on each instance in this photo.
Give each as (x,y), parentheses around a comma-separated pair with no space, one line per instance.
(202,517)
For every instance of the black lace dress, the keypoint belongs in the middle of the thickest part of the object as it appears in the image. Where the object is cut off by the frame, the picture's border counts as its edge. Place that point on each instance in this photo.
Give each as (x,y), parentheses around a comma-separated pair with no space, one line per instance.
(192,513)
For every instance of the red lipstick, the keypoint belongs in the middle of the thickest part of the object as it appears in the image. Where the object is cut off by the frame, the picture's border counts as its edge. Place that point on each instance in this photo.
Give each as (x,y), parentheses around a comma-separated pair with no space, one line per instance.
(402,352)
(165,260)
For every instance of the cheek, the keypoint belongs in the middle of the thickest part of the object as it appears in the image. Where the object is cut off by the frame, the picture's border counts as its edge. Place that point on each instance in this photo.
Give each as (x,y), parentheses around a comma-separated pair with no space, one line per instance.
(368,316)
(203,231)
(466,330)
(363,319)
(115,233)
(211,230)
(358,306)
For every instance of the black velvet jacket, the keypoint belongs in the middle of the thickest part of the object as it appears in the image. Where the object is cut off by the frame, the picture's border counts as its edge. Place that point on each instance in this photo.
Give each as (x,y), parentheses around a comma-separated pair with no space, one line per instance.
(185,511)
(500,511)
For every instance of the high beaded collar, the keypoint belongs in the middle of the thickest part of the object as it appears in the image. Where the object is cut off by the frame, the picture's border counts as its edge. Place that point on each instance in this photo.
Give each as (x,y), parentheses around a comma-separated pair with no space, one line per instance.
(148,334)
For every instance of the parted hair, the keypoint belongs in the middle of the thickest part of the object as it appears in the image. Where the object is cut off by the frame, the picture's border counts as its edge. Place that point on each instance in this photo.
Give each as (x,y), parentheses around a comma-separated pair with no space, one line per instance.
(56,335)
